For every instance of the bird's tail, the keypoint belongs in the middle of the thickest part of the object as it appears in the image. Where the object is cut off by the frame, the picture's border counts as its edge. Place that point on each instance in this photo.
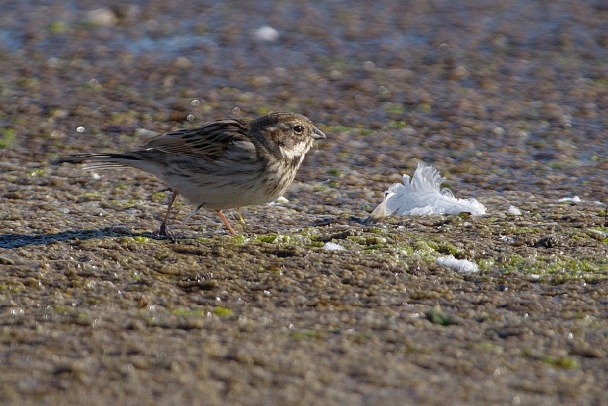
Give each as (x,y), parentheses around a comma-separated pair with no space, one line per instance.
(93,161)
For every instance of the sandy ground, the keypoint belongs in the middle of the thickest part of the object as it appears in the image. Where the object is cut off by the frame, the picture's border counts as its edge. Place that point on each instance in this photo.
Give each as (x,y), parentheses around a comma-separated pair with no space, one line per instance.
(507,99)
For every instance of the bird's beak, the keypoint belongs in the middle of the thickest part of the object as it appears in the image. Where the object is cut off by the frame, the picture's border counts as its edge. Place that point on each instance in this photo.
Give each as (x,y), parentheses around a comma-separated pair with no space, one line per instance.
(317,134)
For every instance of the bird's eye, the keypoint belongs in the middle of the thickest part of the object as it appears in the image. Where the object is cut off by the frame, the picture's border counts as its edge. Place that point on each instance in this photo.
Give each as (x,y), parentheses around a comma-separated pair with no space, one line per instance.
(298,129)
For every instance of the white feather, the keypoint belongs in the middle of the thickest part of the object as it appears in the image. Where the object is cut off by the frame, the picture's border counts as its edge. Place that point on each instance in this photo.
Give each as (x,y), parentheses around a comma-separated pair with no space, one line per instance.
(462,266)
(422,194)
(332,246)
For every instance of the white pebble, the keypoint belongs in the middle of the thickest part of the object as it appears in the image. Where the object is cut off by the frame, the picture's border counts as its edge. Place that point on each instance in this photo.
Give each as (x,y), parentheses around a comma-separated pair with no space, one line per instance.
(514,211)
(102,16)
(266,34)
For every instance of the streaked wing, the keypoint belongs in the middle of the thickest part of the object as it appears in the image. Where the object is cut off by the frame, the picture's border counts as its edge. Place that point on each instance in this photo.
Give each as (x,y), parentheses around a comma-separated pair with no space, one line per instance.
(212,140)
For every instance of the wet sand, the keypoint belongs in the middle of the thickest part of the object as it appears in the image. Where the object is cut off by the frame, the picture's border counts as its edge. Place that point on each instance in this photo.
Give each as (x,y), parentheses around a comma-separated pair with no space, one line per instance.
(508,100)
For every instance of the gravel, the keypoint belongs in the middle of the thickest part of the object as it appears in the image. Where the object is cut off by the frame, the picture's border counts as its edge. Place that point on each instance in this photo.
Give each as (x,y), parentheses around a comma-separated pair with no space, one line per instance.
(507,99)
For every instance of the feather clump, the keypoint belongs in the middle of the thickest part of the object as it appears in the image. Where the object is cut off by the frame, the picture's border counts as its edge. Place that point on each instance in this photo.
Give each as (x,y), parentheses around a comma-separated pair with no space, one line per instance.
(422,194)
(461,266)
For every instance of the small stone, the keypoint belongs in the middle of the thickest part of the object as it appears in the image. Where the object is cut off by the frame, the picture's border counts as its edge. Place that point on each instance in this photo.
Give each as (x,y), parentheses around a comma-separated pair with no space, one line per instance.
(266,34)
(102,16)
(513,211)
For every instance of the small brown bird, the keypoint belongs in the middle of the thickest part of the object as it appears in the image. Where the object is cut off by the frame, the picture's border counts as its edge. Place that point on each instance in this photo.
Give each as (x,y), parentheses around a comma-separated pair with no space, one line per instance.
(223,164)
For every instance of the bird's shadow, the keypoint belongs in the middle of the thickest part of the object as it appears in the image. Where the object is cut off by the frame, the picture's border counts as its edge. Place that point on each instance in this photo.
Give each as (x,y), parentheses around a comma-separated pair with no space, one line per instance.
(11,241)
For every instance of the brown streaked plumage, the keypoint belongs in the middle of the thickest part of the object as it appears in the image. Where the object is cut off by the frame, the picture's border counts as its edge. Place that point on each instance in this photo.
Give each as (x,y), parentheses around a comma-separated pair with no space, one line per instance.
(223,164)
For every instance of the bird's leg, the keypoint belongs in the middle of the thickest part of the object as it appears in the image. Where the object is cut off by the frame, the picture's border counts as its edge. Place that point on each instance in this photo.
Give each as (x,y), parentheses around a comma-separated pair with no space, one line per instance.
(226,222)
(163,224)
(241,219)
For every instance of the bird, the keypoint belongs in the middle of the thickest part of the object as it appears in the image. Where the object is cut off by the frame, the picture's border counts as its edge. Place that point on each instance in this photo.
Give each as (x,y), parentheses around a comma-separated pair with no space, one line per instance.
(224,164)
